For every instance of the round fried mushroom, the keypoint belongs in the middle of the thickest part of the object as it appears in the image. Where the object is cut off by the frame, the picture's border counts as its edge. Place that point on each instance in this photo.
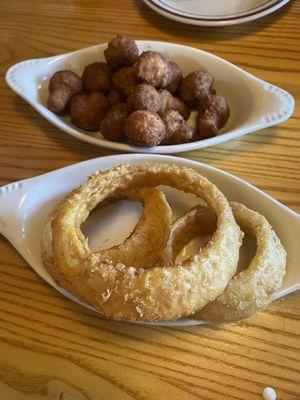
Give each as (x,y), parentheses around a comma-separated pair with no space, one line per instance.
(121,52)
(175,77)
(125,79)
(213,115)
(144,97)
(177,130)
(145,128)
(152,68)
(58,99)
(88,110)
(195,87)
(114,97)
(97,77)
(113,125)
(170,102)
(62,86)
(68,78)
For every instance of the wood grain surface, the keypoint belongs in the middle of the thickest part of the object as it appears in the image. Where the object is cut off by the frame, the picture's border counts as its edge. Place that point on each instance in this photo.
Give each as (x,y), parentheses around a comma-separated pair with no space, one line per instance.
(51,348)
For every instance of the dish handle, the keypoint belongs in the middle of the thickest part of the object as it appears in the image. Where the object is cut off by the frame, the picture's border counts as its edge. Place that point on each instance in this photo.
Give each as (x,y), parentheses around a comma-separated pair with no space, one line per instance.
(277,104)
(12,196)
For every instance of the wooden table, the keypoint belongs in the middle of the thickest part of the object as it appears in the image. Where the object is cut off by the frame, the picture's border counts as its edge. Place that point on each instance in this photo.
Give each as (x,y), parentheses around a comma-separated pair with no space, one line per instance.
(52,348)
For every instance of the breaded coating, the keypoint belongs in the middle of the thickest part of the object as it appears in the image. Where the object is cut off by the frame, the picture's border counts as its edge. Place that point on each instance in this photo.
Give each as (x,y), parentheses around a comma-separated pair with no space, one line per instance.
(88,110)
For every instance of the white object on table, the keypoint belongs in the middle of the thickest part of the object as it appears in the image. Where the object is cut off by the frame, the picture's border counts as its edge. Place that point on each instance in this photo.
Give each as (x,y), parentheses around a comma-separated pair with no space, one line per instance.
(254,103)
(25,205)
(214,12)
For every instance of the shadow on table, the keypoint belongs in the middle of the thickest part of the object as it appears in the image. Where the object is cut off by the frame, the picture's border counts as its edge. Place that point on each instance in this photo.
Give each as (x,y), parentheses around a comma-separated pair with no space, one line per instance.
(208,34)
(61,140)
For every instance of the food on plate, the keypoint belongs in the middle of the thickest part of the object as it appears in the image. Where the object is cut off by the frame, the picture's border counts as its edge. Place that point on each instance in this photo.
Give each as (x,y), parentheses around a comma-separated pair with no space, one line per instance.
(113,125)
(213,115)
(195,87)
(169,102)
(114,97)
(144,246)
(87,110)
(128,293)
(199,221)
(125,79)
(146,82)
(175,77)
(153,68)
(149,236)
(252,288)
(177,130)
(145,128)
(59,99)
(97,77)
(63,85)
(68,78)
(121,52)
(144,97)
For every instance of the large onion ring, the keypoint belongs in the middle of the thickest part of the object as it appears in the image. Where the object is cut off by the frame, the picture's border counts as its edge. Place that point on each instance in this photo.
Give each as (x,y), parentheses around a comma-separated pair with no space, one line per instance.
(199,221)
(253,288)
(148,239)
(143,247)
(156,294)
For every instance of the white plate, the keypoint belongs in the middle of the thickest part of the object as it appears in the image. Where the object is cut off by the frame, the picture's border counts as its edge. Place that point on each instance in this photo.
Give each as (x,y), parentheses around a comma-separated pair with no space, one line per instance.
(25,205)
(214,12)
(254,104)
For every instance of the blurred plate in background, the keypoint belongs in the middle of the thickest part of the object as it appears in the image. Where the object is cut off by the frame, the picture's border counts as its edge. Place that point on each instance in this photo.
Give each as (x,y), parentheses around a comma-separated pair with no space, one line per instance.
(214,12)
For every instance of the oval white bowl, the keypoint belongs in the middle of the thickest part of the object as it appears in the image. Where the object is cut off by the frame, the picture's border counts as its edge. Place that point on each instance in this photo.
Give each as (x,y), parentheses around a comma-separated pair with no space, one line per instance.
(254,104)
(24,207)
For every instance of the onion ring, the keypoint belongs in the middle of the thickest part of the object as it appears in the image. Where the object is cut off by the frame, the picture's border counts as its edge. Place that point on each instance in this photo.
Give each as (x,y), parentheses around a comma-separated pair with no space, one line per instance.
(150,234)
(158,293)
(252,288)
(198,221)
(143,247)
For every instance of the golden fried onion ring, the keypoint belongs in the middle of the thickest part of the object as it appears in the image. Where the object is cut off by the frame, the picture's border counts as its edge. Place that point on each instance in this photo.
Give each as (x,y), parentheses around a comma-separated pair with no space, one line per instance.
(158,293)
(199,221)
(148,239)
(252,288)
(143,247)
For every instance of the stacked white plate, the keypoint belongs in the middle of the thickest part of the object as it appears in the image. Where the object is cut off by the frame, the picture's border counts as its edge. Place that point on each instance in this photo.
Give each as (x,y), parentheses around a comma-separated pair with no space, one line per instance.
(214,12)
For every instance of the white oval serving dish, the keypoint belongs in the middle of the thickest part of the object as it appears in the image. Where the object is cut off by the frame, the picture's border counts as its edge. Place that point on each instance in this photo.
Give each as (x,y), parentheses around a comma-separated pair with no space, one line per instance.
(24,207)
(254,104)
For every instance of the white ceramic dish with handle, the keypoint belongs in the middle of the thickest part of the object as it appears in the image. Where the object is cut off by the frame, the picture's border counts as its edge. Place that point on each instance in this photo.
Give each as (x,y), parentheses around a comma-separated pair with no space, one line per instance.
(24,206)
(254,104)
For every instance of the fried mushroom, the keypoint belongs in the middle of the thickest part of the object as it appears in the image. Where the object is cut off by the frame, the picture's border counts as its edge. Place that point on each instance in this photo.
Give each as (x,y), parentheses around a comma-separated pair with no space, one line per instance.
(68,78)
(125,79)
(195,87)
(153,68)
(97,77)
(88,110)
(177,130)
(213,115)
(62,86)
(121,52)
(113,125)
(144,97)
(145,128)
(175,77)
(170,102)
